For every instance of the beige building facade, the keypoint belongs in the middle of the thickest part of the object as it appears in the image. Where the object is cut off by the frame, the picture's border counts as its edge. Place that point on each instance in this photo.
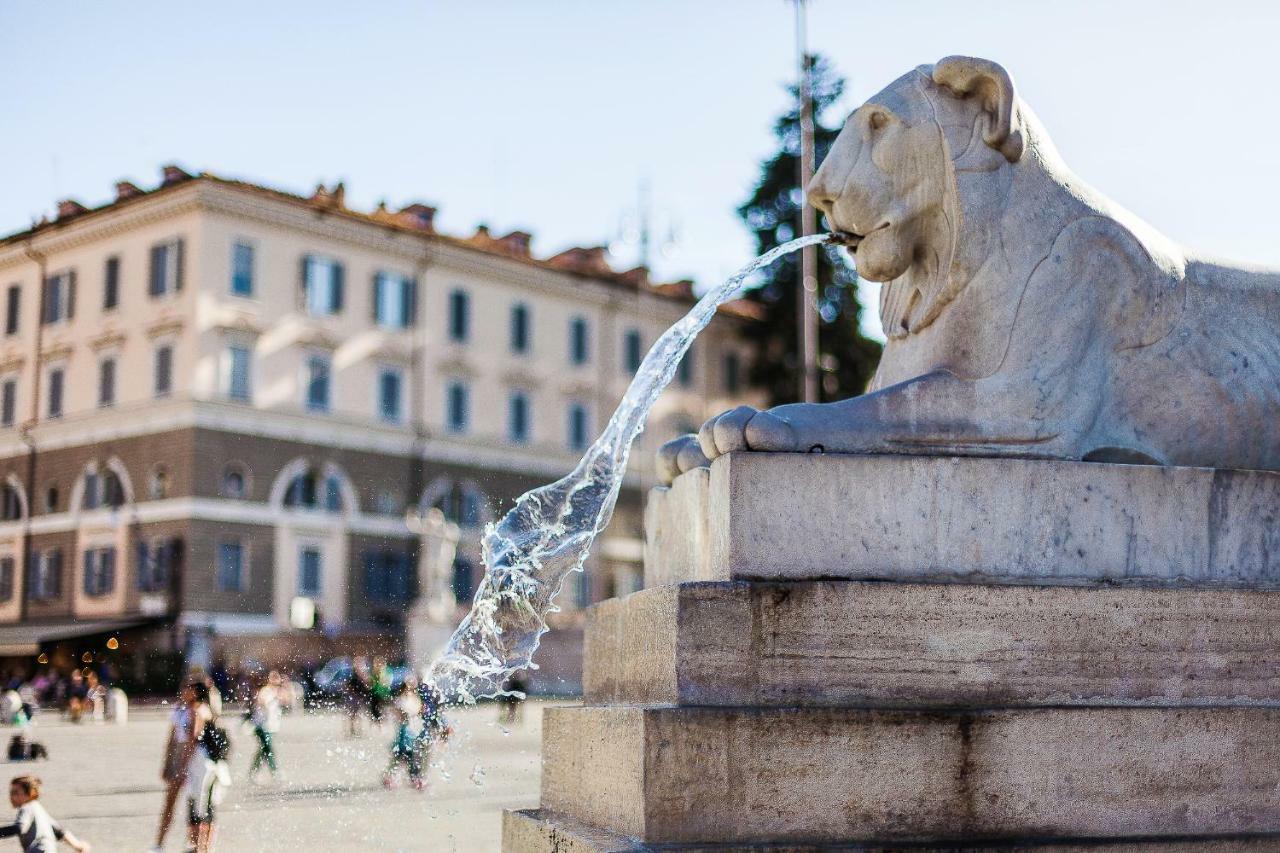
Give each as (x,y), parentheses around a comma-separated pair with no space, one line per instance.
(219,400)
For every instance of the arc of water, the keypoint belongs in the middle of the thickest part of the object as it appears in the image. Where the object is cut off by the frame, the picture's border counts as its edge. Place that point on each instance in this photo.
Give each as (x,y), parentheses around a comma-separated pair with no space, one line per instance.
(547,535)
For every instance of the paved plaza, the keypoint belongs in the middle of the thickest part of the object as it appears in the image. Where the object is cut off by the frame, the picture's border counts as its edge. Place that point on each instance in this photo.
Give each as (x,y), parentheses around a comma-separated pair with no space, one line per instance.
(102,782)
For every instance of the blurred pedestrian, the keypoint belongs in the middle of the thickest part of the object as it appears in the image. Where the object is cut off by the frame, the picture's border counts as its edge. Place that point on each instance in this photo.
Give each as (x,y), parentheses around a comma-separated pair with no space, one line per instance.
(359,695)
(208,774)
(177,755)
(406,746)
(379,690)
(265,717)
(34,828)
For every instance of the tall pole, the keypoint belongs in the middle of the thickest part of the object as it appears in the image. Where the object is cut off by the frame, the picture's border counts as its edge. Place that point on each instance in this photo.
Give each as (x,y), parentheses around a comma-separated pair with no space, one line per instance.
(807,313)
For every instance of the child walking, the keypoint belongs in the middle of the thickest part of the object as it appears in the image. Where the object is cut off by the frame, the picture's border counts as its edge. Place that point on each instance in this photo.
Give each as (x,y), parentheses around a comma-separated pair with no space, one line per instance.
(35,830)
(406,749)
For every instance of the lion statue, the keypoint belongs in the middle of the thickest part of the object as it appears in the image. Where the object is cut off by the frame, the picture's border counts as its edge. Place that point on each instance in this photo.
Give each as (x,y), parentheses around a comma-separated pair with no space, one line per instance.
(1026,314)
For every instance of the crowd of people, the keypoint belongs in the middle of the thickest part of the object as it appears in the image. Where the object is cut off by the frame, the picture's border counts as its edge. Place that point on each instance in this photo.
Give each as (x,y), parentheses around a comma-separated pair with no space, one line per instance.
(195,769)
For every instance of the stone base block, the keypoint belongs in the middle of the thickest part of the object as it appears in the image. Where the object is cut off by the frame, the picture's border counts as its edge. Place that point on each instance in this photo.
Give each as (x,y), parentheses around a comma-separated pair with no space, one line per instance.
(930,645)
(825,775)
(791,516)
(537,831)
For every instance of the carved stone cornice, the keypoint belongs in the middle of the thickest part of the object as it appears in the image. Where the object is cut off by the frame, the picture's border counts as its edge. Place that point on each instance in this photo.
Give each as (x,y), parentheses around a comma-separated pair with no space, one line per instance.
(107,339)
(167,325)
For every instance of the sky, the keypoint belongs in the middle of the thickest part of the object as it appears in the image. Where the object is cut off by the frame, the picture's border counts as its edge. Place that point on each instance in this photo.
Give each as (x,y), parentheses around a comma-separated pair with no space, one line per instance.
(549,115)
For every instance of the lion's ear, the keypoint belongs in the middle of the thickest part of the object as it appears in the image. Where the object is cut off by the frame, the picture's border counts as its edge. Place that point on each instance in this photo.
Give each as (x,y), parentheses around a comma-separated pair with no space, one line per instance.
(992,85)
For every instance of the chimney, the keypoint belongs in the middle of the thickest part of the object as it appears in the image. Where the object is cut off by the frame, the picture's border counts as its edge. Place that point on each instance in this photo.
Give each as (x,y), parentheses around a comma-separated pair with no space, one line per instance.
(482,232)
(172,174)
(126,189)
(636,277)
(69,207)
(517,243)
(589,260)
(417,215)
(339,194)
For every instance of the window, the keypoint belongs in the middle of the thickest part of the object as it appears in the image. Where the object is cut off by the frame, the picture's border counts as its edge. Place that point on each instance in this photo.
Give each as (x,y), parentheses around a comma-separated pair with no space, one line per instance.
(99,571)
(684,373)
(239,384)
(461,504)
(13,305)
(386,503)
(10,503)
(8,402)
(318,383)
(164,370)
(519,328)
(582,588)
(107,382)
(158,483)
(394,298)
(388,577)
(235,482)
(157,561)
(166,268)
(59,298)
(518,417)
(322,280)
(463,588)
(46,570)
(45,581)
(390,380)
(242,269)
(306,490)
(6,578)
(578,427)
(102,490)
(51,498)
(632,355)
(309,565)
(57,378)
(459,316)
(732,373)
(111,284)
(231,566)
(457,405)
(579,341)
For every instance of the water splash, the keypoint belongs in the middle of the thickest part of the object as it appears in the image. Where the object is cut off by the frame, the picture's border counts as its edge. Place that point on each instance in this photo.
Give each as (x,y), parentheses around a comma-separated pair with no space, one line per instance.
(549,532)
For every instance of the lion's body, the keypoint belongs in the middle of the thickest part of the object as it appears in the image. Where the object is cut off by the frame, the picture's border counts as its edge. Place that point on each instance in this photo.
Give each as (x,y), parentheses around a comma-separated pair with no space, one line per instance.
(1026,314)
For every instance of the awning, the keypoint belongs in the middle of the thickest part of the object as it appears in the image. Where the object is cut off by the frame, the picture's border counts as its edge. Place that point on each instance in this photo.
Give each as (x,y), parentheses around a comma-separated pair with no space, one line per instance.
(20,640)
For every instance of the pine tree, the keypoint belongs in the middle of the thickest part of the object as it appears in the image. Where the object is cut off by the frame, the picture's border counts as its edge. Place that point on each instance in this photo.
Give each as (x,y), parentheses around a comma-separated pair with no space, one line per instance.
(846,359)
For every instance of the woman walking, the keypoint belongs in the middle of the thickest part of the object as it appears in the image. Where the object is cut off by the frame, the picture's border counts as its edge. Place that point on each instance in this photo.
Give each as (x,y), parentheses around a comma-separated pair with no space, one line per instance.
(265,717)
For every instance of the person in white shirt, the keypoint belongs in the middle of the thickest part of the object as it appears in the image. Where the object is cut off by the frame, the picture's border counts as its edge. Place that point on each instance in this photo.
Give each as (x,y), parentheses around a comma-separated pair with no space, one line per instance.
(34,828)
(265,717)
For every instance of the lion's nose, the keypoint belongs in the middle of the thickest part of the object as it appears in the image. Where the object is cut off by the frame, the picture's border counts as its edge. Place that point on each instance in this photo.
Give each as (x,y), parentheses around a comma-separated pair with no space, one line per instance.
(820,194)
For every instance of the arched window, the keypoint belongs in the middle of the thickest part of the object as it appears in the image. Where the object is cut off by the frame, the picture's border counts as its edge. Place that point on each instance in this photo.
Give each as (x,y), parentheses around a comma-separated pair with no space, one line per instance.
(102,488)
(10,503)
(312,490)
(462,504)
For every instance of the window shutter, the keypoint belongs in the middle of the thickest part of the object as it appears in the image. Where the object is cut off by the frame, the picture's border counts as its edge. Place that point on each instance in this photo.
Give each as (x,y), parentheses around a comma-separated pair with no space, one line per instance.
(373,300)
(338,278)
(71,294)
(155,276)
(55,573)
(179,246)
(411,302)
(302,281)
(88,573)
(143,567)
(44,300)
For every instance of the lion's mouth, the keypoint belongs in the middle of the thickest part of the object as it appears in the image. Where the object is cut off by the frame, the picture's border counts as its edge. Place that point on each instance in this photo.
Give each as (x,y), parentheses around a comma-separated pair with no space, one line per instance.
(851,239)
(848,239)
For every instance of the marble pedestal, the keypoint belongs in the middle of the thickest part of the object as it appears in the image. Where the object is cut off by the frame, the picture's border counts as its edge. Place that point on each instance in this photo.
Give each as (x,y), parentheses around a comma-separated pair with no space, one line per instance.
(885,653)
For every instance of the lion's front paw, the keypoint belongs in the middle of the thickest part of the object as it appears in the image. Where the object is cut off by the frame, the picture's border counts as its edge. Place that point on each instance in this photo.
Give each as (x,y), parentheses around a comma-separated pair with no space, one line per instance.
(745,428)
(679,455)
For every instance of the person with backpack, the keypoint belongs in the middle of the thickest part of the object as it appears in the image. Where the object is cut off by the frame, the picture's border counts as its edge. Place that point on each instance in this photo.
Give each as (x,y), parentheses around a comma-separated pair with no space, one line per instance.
(207,772)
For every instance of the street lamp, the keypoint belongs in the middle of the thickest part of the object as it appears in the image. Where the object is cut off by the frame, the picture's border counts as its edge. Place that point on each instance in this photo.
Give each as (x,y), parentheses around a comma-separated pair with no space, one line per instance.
(807,313)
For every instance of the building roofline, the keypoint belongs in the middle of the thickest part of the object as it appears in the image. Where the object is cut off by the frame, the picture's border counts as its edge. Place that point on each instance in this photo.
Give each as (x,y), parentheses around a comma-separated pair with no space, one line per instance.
(332,202)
